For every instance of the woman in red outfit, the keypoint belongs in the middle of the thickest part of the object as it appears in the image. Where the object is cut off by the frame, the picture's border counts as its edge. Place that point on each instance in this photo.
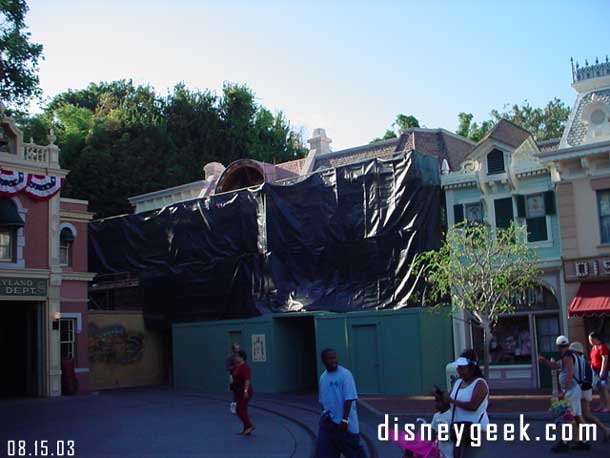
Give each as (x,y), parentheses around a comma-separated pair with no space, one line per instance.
(600,364)
(242,389)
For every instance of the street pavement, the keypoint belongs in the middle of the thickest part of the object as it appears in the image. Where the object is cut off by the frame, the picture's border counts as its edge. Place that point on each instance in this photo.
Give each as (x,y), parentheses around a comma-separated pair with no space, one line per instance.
(162,422)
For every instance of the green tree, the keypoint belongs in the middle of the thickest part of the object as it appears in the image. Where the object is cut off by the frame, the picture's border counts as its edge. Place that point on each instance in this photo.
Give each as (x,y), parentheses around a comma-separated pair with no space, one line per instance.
(543,123)
(18,56)
(402,123)
(481,271)
(107,131)
(472,130)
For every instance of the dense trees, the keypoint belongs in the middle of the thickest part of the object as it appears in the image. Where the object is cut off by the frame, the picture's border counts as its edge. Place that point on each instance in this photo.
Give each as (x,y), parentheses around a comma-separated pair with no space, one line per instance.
(18,56)
(119,139)
(543,123)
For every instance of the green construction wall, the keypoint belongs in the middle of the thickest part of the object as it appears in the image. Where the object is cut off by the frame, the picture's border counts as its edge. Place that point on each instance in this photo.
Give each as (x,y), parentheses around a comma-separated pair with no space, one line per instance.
(403,352)
(200,350)
(414,346)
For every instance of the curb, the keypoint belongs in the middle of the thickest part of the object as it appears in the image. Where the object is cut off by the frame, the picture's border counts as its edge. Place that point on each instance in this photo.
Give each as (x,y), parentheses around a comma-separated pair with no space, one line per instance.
(529,416)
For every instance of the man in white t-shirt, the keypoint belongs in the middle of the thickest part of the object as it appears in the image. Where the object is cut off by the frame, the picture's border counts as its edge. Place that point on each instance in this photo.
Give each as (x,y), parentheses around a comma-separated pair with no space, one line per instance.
(339,431)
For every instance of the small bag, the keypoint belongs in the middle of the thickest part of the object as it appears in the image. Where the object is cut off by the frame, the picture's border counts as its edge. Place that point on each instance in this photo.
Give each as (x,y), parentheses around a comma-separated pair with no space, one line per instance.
(233,407)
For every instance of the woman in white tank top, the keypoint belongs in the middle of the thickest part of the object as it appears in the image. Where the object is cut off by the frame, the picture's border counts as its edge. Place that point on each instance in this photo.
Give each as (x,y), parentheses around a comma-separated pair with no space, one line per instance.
(469,400)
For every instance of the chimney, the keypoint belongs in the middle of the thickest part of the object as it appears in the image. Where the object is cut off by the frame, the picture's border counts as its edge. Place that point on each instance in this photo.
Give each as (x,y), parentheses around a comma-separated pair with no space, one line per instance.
(319,142)
(213,170)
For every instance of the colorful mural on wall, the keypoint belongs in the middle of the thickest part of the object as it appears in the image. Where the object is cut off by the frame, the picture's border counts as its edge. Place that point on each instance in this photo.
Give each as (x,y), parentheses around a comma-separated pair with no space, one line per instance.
(114,345)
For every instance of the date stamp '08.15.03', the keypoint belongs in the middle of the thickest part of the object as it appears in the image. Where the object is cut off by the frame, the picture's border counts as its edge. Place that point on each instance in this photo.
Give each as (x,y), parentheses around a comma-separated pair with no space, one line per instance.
(40,448)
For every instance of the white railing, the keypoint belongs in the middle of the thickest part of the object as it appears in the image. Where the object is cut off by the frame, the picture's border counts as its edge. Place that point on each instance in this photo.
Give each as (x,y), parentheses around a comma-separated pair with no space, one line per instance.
(36,153)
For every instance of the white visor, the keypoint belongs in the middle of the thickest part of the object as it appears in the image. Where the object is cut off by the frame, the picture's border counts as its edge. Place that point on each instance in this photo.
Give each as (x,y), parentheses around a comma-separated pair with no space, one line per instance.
(461,361)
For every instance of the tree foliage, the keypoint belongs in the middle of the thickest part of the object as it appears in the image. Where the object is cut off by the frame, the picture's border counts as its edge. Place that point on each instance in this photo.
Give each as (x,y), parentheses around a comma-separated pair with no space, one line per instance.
(18,56)
(120,140)
(402,123)
(482,271)
(472,130)
(544,123)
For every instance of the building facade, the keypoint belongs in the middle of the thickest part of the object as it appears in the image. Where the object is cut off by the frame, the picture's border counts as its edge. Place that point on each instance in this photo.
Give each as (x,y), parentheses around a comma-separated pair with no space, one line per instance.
(502,181)
(581,172)
(43,269)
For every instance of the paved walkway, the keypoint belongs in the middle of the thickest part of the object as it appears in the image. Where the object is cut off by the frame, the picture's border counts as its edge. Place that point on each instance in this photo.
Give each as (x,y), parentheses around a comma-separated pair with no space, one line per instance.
(502,404)
(161,422)
(150,423)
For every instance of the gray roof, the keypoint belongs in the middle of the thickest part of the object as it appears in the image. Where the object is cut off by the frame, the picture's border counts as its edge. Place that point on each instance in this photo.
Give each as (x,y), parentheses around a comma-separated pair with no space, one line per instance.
(578,129)
(549,145)
(436,142)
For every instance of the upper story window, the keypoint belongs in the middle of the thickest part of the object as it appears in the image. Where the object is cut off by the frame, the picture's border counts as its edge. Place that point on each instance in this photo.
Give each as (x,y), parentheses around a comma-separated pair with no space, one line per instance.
(10,222)
(66,240)
(535,208)
(7,245)
(503,209)
(495,162)
(603,204)
(470,212)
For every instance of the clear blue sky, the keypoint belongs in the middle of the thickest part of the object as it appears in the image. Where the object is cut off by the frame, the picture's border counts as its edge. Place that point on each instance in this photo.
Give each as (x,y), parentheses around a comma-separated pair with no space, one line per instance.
(347,66)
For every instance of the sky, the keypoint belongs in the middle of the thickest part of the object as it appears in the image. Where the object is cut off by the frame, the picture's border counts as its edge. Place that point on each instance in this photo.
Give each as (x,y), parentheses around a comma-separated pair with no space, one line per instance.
(347,66)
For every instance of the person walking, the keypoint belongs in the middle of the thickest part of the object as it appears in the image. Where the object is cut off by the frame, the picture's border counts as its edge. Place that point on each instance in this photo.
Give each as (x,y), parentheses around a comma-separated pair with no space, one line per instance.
(339,431)
(586,388)
(469,399)
(242,390)
(230,361)
(569,388)
(600,364)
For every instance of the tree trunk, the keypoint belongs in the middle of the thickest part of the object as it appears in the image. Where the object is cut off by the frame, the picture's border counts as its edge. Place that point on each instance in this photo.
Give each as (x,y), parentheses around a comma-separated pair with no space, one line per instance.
(486,325)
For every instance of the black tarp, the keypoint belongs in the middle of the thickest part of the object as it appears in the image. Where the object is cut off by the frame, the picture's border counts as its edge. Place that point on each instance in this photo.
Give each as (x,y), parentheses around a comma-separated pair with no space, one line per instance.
(338,240)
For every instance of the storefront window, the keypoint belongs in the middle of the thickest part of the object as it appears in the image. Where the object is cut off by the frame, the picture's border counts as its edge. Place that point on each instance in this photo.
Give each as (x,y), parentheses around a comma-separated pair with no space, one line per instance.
(510,341)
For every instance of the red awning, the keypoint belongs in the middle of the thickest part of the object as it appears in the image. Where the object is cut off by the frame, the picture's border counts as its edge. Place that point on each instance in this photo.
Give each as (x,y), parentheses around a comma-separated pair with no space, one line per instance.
(591,299)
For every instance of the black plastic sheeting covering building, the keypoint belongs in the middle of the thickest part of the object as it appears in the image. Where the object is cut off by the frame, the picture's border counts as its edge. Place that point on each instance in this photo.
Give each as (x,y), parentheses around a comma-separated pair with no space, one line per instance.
(338,240)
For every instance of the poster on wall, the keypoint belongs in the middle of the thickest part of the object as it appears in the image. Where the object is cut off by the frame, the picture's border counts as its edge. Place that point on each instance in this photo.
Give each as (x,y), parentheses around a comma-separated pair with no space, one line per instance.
(259,350)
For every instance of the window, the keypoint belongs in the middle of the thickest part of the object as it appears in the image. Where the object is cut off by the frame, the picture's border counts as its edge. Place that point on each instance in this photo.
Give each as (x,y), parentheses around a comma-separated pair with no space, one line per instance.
(504,212)
(547,329)
(474,212)
(67,328)
(495,162)
(7,245)
(10,222)
(471,213)
(535,208)
(510,341)
(66,239)
(603,203)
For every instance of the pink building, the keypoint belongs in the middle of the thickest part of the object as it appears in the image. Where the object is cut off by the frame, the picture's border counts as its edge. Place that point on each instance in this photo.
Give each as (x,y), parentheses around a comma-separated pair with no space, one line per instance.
(43,269)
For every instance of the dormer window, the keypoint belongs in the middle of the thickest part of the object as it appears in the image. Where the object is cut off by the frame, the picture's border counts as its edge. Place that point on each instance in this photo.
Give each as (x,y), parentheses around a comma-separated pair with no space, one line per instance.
(495,162)
(596,115)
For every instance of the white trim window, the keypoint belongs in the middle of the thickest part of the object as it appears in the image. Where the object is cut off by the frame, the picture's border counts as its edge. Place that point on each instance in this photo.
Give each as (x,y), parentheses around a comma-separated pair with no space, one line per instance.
(67,336)
(66,241)
(536,209)
(471,212)
(8,240)
(603,205)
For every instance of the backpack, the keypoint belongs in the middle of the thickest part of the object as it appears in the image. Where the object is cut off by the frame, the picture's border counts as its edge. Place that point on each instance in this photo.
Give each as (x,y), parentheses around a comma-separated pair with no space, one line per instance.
(585,373)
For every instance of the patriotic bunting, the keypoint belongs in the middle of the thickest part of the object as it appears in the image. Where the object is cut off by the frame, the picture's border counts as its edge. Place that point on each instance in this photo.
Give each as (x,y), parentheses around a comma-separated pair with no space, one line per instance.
(39,187)
(12,182)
